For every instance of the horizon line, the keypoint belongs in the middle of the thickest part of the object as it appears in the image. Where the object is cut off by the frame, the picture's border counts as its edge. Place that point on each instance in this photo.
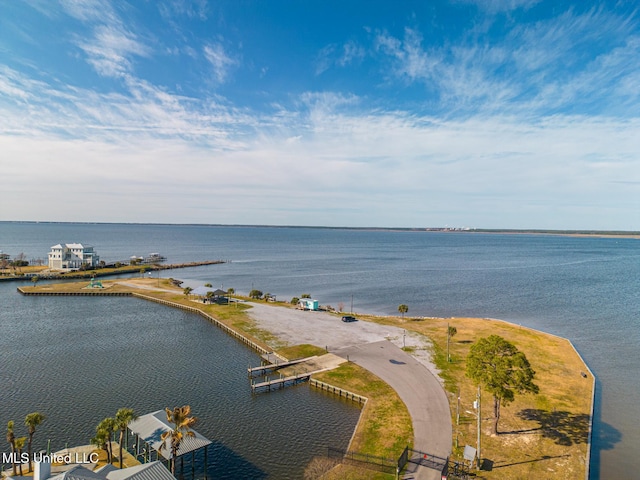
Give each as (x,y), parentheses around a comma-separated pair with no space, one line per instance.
(328,227)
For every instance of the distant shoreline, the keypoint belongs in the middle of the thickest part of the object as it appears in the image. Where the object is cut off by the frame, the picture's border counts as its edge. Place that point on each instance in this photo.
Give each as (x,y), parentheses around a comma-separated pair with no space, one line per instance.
(506,231)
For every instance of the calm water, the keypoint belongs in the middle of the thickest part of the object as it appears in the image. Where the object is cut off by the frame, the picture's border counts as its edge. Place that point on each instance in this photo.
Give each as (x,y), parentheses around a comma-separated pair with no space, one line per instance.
(585,289)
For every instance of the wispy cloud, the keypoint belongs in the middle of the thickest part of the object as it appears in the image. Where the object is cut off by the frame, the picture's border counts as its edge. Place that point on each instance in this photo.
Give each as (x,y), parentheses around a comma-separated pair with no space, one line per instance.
(110,50)
(190,8)
(527,123)
(221,63)
(549,64)
(178,145)
(110,46)
(500,6)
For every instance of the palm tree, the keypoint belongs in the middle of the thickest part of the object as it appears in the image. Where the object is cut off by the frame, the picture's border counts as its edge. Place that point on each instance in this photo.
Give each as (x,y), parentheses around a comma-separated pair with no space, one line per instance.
(101,440)
(187,291)
(19,446)
(182,423)
(11,439)
(107,426)
(403,309)
(451,331)
(32,421)
(123,417)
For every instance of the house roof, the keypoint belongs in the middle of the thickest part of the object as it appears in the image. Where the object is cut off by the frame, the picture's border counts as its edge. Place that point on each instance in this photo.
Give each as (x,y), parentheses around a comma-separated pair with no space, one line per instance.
(78,472)
(204,290)
(150,428)
(147,471)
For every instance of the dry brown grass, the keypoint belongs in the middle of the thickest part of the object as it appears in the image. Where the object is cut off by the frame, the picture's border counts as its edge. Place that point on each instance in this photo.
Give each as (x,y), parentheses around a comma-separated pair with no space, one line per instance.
(545,435)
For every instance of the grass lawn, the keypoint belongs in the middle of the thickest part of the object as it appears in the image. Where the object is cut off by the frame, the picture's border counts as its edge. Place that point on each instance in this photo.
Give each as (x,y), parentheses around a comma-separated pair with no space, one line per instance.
(542,436)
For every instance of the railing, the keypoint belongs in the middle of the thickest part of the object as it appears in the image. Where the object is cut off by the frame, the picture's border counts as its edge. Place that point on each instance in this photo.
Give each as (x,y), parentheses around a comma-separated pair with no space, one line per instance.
(371,462)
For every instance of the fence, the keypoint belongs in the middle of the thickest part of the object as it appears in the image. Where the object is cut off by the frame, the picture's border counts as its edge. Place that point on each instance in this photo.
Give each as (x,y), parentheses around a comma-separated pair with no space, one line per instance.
(370,462)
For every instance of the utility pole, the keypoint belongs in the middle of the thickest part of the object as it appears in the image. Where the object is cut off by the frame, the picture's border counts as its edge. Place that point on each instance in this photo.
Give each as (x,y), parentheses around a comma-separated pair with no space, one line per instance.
(479,424)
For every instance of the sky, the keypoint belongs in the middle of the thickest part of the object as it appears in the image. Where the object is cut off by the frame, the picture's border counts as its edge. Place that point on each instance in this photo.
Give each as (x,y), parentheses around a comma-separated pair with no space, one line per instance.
(358,113)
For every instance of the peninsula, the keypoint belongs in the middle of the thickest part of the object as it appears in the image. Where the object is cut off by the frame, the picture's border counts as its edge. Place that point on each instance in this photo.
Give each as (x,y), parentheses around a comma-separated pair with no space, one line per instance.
(544,434)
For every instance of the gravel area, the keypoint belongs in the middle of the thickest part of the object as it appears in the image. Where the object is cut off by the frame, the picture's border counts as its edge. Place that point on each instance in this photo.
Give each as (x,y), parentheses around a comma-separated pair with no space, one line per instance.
(322,329)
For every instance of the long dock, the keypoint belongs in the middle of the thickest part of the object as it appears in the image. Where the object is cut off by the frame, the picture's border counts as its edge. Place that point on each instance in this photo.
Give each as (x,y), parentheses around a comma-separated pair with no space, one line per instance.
(280,382)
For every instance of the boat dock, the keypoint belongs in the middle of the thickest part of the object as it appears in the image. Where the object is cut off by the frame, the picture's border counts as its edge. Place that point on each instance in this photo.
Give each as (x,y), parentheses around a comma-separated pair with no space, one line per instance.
(293,372)
(281,382)
(264,369)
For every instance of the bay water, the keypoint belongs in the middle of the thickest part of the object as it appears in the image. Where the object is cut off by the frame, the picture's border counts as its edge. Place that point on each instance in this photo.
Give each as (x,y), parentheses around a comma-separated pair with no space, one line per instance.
(581,288)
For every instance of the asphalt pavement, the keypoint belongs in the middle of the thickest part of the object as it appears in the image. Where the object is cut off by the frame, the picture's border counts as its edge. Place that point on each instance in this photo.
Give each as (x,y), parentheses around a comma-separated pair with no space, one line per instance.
(377,348)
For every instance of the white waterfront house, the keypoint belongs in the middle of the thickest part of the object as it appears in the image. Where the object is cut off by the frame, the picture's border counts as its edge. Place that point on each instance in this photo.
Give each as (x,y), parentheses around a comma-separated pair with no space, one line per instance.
(71,256)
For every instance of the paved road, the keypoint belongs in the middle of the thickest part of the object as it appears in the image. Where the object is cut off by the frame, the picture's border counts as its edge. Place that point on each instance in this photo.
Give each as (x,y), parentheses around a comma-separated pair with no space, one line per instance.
(419,389)
(377,348)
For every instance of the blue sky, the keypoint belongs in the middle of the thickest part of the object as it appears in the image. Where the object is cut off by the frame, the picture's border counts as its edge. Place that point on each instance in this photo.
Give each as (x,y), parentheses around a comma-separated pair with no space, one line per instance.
(462,113)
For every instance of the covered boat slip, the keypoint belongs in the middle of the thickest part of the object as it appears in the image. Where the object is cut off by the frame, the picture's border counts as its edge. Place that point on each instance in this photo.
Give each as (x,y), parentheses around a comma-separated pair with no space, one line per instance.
(149,428)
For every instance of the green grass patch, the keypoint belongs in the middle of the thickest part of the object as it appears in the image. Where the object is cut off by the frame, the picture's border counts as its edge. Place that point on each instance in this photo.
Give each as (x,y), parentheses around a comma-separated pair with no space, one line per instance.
(296,352)
(385,427)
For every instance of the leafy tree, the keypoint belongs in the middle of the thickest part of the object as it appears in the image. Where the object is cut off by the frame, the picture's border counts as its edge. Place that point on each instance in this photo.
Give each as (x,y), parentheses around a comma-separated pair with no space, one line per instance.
(403,309)
(502,369)
(257,294)
(11,439)
(208,285)
(295,300)
(182,423)
(32,420)
(123,417)
(305,295)
(451,331)
(34,280)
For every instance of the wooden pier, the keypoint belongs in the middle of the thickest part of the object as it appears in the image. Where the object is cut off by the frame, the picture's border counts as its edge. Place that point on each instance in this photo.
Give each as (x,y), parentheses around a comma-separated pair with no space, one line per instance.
(280,382)
(264,369)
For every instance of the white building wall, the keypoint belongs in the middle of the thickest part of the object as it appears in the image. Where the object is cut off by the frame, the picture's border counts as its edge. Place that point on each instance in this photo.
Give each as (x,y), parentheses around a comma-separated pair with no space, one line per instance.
(71,256)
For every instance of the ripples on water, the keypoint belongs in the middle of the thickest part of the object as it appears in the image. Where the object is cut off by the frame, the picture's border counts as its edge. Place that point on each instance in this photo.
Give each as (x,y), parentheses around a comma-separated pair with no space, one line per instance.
(78,360)
(585,289)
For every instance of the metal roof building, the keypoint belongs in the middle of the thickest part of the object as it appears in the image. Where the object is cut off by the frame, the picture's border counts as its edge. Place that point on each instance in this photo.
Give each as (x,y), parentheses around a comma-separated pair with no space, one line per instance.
(147,471)
(149,428)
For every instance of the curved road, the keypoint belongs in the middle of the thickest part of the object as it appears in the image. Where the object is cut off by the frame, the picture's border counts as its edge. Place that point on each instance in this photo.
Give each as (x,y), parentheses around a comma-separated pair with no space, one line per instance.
(419,389)
(367,344)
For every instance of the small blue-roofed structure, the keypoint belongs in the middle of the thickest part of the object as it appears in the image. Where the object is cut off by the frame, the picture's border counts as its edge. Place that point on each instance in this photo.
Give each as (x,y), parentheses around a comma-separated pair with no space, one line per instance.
(308,304)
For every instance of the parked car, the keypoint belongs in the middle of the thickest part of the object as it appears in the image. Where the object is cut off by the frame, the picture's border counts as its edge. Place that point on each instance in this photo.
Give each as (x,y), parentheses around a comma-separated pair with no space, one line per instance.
(349,318)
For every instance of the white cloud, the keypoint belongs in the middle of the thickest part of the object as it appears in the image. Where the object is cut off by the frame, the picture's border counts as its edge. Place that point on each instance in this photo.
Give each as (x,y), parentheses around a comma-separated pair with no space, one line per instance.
(219,60)
(500,6)
(110,50)
(326,153)
(351,53)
